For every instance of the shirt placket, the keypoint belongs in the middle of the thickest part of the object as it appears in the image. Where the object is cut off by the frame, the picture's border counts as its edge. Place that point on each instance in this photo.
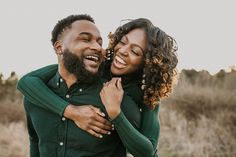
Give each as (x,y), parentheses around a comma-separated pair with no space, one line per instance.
(62,131)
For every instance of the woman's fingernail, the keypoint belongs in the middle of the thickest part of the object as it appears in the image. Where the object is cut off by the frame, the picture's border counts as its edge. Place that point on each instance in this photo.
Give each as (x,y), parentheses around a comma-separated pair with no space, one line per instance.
(113,127)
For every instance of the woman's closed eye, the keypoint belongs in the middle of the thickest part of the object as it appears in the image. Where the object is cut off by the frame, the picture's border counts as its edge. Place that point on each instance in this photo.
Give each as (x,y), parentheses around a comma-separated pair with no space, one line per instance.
(122,42)
(136,51)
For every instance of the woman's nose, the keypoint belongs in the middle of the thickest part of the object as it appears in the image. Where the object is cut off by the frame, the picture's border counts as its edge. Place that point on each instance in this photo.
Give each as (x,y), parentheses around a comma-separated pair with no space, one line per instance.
(124,50)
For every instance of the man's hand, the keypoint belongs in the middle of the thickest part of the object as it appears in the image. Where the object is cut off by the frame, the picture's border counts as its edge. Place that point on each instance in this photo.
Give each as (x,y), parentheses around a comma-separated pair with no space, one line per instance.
(89,118)
(111,96)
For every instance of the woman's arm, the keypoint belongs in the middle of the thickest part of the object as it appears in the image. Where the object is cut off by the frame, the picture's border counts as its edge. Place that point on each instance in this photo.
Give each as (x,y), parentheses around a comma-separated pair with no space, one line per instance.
(151,124)
(141,143)
(87,117)
(33,87)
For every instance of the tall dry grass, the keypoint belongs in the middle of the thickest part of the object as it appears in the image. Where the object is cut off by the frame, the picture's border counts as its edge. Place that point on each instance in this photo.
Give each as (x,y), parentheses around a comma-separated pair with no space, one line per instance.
(197,120)
(13,132)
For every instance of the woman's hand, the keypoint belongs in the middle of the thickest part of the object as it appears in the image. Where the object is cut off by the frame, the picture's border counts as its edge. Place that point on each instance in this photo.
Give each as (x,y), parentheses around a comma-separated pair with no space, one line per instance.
(111,96)
(89,118)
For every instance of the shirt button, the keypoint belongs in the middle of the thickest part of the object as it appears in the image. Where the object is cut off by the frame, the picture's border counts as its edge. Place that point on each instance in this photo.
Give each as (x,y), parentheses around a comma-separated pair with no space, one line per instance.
(80,89)
(61,143)
(61,80)
(140,110)
(63,118)
(67,96)
(57,84)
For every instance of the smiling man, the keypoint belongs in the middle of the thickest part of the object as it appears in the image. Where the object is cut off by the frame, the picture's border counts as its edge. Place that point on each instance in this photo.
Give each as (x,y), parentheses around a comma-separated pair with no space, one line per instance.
(79,52)
(65,131)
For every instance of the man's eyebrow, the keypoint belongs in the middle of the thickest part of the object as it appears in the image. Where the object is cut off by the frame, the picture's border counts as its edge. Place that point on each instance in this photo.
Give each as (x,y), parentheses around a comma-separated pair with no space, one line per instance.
(85,33)
(90,35)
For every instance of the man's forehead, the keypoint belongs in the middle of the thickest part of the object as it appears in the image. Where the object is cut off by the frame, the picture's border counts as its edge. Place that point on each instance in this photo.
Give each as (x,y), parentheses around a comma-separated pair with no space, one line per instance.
(85,26)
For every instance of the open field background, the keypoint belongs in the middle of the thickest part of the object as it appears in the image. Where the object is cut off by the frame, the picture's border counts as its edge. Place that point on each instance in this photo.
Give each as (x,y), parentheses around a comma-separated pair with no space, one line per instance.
(197,120)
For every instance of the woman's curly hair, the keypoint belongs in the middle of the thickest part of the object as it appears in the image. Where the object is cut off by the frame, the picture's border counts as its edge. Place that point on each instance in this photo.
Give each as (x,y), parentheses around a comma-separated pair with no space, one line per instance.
(160,60)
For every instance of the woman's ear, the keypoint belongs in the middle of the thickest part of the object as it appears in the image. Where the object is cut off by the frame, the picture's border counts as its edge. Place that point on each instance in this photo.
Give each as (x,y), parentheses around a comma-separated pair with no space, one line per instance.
(58,47)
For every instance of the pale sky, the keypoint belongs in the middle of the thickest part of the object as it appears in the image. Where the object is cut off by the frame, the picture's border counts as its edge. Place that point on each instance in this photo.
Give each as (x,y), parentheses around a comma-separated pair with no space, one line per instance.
(205,30)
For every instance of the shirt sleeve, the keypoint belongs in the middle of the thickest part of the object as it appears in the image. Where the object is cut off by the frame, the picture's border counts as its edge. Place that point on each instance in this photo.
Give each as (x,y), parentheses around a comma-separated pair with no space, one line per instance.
(33,137)
(141,143)
(33,87)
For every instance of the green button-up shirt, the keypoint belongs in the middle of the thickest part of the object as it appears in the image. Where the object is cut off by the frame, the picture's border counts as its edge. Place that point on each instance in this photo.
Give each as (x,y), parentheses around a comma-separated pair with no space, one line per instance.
(56,136)
(140,141)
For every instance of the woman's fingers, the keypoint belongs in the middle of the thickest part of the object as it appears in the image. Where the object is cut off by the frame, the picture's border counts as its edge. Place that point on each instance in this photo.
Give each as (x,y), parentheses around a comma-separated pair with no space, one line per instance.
(115,82)
(93,133)
(118,84)
(97,110)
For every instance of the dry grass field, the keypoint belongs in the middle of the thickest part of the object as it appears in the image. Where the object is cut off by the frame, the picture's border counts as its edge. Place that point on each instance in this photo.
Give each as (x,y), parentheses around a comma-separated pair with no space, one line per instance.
(197,120)
(13,133)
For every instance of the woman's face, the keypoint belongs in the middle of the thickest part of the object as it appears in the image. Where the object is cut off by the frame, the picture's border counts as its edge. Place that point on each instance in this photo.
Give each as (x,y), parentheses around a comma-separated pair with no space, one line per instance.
(129,53)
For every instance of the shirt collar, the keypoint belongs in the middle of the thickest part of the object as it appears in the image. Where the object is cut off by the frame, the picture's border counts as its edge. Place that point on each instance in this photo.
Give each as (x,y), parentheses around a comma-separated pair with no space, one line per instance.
(60,82)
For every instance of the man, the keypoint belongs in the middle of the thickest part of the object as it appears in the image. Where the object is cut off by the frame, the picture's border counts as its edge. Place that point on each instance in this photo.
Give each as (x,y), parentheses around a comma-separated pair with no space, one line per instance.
(77,43)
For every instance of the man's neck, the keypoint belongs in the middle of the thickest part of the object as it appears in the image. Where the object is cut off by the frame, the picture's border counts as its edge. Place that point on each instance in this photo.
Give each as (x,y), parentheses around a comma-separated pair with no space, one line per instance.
(68,77)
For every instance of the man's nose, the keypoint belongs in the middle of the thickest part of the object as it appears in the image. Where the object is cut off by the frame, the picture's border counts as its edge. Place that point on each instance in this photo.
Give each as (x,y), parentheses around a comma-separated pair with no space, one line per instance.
(96,46)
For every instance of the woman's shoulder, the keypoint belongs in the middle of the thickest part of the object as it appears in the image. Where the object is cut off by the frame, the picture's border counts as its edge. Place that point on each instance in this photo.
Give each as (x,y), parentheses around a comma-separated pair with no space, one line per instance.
(135,92)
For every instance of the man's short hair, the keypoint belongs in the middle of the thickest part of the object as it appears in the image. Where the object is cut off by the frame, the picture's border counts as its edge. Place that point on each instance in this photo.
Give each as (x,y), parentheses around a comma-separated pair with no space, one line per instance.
(65,23)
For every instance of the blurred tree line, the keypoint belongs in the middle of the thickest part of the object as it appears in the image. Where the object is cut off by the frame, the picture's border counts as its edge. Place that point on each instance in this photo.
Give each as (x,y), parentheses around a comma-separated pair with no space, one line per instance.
(8,86)
(11,80)
(222,79)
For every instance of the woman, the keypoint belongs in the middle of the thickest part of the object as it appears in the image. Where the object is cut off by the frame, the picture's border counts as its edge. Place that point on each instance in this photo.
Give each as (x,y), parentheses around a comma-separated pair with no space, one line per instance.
(144,57)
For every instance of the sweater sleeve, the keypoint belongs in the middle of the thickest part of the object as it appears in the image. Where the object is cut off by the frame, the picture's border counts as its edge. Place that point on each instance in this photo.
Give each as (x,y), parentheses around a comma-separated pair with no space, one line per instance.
(44,73)
(141,143)
(33,87)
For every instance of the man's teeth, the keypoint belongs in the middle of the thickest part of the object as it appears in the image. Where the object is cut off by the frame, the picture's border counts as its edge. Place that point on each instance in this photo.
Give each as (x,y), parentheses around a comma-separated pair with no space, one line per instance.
(120,60)
(94,58)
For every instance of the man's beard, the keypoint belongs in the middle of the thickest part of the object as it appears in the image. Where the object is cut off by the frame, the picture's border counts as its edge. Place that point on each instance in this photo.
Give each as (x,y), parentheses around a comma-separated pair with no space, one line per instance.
(76,66)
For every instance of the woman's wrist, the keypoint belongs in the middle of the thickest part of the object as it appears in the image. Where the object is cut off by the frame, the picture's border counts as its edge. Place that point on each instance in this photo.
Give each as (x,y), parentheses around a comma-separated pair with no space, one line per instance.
(114,113)
(68,112)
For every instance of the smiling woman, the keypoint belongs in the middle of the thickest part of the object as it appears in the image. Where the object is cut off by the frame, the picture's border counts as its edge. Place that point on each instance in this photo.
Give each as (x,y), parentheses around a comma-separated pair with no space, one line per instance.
(129,53)
(157,64)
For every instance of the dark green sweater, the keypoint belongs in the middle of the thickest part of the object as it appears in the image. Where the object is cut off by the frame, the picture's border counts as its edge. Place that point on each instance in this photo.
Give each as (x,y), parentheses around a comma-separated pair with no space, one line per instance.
(137,126)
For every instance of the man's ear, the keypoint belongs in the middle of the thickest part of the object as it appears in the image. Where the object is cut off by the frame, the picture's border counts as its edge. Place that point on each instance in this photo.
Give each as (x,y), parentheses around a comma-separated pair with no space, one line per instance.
(58,47)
